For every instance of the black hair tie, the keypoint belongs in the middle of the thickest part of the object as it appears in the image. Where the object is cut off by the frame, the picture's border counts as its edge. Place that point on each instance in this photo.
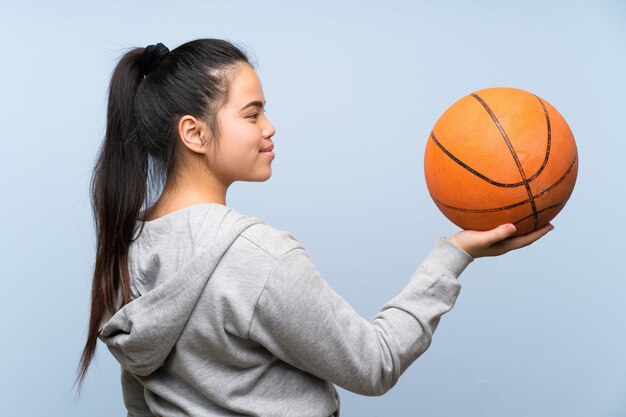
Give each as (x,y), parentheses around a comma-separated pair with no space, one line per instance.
(152,55)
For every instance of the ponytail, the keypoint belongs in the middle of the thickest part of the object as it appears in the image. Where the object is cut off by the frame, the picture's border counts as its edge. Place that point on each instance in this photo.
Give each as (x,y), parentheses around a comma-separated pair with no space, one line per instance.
(145,103)
(118,190)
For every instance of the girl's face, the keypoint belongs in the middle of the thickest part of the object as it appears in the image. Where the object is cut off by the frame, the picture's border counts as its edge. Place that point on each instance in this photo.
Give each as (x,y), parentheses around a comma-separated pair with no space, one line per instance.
(244,131)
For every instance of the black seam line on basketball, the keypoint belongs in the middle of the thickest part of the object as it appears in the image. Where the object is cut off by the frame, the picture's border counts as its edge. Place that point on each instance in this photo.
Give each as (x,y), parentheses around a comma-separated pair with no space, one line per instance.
(470,169)
(548,142)
(520,203)
(561,204)
(520,168)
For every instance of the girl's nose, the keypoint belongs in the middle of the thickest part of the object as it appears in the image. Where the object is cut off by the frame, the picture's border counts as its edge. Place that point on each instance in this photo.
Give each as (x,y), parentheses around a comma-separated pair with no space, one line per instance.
(269,130)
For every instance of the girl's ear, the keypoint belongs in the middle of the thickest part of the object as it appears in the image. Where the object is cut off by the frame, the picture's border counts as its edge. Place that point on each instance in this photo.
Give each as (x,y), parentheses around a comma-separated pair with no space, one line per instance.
(193,133)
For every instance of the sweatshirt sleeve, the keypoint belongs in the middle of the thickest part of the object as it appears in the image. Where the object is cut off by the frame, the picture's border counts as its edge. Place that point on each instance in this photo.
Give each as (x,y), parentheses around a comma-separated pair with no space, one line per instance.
(302,321)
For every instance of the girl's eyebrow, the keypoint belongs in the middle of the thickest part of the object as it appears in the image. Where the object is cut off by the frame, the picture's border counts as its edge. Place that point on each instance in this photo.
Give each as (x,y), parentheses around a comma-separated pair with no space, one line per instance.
(254,103)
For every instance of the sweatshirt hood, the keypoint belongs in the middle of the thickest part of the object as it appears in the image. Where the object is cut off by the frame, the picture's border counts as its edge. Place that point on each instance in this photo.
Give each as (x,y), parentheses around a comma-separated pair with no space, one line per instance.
(142,333)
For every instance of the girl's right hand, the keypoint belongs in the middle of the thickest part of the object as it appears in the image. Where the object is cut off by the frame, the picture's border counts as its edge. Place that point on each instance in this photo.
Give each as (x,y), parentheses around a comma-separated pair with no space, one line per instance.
(496,241)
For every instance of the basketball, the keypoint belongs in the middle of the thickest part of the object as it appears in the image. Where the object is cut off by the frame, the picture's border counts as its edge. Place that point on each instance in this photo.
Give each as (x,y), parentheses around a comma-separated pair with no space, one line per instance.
(501,155)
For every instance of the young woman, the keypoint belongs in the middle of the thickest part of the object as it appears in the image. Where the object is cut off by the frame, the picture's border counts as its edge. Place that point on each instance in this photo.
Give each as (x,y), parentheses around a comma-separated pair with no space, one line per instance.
(214,313)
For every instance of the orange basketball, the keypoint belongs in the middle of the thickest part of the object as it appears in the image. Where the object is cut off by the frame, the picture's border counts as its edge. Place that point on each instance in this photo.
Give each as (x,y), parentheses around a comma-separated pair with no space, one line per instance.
(501,155)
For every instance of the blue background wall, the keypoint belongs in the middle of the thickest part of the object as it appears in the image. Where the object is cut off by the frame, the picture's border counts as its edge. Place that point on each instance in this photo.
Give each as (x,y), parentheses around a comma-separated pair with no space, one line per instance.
(353,89)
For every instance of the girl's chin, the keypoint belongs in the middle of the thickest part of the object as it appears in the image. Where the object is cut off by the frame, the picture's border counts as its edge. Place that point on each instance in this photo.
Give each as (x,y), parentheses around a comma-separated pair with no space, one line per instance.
(260,175)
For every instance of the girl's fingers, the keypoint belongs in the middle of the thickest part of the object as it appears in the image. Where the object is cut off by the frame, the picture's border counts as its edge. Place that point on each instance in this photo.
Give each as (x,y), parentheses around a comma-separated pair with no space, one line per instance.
(525,240)
(496,241)
(498,234)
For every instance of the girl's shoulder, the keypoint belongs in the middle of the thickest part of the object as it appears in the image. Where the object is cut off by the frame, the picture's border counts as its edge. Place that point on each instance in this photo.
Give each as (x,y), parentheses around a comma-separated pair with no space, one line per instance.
(195,229)
(273,241)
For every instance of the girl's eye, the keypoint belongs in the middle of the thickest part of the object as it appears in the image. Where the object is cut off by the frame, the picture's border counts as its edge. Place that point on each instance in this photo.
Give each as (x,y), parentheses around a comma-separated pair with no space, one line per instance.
(255,116)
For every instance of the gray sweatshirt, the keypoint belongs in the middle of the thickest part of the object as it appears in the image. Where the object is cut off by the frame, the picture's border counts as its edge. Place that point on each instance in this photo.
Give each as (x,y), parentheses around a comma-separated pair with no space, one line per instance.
(230,317)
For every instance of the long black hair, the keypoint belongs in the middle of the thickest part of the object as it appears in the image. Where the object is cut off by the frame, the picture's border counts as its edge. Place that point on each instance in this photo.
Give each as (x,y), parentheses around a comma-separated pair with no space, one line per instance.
(147,97)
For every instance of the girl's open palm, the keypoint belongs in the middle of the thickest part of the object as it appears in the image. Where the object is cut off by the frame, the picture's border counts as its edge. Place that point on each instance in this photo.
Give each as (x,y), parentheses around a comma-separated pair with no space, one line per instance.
(496,241)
